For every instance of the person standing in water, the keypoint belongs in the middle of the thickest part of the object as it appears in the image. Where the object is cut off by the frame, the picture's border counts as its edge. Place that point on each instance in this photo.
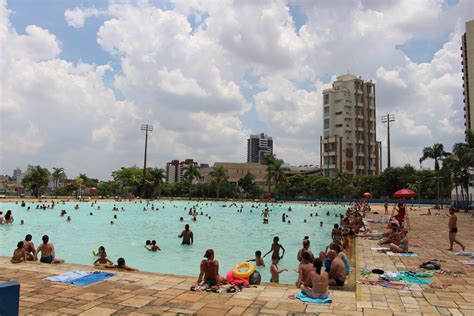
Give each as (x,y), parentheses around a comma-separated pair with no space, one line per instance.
(187,235)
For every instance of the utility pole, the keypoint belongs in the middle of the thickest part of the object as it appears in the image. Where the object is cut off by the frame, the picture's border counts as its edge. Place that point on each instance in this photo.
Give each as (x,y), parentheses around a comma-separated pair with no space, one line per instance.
(147,128)
(387,119)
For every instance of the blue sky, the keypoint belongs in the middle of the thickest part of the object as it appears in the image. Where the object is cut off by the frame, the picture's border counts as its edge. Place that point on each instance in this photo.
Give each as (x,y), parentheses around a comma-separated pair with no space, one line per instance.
(244,68)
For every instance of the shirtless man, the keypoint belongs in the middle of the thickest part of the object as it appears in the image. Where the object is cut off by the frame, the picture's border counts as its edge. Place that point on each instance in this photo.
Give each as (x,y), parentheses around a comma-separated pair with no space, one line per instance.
(29,248)
(276,248)
(453,230)
(316,285)
(47,252)
(187,236)
(337,274)
(209,270)
(306,266)
(305,249)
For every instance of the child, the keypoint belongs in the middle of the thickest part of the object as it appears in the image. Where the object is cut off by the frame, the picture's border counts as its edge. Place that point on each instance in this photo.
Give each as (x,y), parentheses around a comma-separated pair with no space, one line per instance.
(19,255)
(99,250)
(453,230)
(276,248)
(102,260)
(274,270)
(258,259)
(121,265)
(152,246)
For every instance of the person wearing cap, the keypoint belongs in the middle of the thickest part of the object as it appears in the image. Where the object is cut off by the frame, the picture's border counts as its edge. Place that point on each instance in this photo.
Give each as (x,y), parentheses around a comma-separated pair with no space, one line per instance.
(209,268)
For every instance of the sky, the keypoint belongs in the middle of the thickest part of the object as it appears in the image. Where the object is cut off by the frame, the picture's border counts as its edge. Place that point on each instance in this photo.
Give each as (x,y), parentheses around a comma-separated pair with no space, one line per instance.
(79,78)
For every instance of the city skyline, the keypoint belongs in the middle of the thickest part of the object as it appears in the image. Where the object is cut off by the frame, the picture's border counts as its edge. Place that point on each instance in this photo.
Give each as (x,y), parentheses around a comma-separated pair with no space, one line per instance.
(78,82)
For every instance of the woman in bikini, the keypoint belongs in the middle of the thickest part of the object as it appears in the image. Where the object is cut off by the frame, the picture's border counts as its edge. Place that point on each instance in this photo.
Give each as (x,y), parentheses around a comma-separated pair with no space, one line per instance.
(316,285)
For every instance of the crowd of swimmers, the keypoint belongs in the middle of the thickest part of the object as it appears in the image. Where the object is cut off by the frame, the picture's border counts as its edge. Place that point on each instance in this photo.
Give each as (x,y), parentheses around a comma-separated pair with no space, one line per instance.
(315,273)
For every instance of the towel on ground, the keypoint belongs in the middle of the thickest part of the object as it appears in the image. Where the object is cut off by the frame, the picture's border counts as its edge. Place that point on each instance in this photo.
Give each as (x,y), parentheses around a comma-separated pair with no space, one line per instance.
(92,278)
(390,285)
(469,262)
(414,244)
(464,253)
(69,276)
(305,298)
(409,254)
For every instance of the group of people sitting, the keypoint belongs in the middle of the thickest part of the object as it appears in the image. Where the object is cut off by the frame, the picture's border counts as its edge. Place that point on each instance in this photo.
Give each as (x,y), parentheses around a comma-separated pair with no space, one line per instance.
(26,251)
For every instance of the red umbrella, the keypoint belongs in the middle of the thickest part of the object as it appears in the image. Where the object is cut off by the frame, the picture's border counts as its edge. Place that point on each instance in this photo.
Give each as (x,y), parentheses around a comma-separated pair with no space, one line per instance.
(404,193)
(367,195)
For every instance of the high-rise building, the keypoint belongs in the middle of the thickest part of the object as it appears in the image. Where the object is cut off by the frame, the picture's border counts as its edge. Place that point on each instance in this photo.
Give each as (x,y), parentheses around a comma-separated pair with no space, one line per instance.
(258,146)
(468,74)
(349,143)
(175,170)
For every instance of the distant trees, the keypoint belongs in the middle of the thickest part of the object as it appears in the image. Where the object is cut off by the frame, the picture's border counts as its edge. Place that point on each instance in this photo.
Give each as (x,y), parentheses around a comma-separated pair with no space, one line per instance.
(191,172)
(36,180)
(57,176)
(220,177)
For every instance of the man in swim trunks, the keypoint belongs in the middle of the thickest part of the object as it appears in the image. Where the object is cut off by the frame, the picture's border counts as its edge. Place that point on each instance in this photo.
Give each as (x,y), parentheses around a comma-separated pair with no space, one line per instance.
(47,252)
(453,230)
(19,255)
(337,273)
(29,248)
(304,269)
(187,235)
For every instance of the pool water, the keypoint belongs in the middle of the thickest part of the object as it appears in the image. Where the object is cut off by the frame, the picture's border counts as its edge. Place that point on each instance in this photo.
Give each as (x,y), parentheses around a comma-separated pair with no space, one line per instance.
(234,236)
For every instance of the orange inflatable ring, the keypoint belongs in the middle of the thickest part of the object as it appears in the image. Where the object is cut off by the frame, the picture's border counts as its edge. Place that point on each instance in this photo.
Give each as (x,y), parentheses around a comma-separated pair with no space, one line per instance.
(245,274)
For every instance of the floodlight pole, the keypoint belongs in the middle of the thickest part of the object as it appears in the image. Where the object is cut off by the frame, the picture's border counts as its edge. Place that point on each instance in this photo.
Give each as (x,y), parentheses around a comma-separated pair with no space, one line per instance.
(387,119)
(147,128)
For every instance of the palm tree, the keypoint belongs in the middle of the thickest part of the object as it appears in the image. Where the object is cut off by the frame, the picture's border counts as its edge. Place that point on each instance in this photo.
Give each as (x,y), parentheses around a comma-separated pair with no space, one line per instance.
(462,161)
(191,172)
(275,170)
(435,152)
(269,160)
(158,176)
(58,175)
(220,176)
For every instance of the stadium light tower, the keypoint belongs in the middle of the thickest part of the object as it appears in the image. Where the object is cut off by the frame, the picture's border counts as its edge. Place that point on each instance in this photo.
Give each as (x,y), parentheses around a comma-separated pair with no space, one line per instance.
(147,128)
(387,119)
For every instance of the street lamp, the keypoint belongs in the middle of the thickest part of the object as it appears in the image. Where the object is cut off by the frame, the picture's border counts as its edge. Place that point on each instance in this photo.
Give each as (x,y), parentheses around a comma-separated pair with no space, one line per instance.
(147,128)
(437,189)
(418,184)
(387,119)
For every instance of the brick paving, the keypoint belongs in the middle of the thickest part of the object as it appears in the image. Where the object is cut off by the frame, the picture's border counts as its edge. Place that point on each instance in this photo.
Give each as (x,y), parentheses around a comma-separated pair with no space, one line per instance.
(141,293)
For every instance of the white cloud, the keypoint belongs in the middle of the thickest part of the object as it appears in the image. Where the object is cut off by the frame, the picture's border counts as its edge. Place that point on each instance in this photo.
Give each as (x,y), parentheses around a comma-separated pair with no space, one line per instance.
(77,16)
(197,82)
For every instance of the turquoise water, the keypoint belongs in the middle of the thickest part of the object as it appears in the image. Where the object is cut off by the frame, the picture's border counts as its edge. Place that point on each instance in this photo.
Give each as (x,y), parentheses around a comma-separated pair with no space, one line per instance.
(234,236)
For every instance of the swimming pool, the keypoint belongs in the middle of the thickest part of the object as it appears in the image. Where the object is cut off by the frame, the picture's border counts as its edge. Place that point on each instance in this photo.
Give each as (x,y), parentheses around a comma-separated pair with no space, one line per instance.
(234,236)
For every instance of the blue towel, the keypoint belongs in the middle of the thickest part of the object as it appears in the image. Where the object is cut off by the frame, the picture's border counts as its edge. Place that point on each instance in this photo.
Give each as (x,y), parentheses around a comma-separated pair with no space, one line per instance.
(305,298)
(409,255)
(346,264)
(413,280)
(92,278)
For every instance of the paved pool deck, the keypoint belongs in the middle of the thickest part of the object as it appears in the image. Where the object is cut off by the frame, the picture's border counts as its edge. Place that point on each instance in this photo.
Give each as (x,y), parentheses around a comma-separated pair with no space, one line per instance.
(141,293)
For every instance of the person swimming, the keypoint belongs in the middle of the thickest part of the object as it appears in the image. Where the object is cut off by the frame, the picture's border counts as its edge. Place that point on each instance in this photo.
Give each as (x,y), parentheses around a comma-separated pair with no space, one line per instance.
(102,260)
(152,246)
(121,265)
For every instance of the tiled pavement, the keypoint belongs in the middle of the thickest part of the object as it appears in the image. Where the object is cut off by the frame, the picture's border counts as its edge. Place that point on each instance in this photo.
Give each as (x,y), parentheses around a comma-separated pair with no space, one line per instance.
(139,293)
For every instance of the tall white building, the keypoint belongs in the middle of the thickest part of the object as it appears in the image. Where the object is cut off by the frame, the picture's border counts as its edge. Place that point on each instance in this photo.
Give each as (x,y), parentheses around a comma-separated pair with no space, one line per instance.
(349,143)
(258,146)
(467,54)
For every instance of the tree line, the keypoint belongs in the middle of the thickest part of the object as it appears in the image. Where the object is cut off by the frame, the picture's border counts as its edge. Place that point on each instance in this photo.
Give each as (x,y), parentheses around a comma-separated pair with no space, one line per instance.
(451,171)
